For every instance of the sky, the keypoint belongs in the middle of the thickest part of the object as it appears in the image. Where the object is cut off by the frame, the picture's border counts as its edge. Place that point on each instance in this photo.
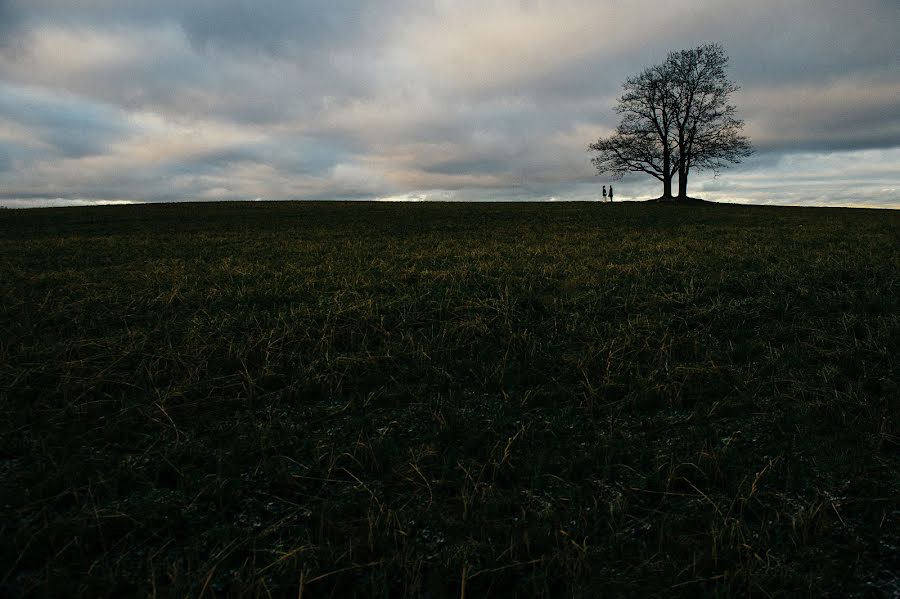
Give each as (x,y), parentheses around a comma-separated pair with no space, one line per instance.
(120,101)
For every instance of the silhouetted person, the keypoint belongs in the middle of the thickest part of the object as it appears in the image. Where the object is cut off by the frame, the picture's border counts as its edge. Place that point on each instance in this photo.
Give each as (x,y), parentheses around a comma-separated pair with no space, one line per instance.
(604,193)
(610,193)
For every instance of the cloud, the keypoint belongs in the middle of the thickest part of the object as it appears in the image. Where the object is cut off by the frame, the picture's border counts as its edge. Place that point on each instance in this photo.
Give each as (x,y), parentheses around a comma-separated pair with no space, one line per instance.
(464,99)
(8,21)
(847,178)
(844,113)
(59,123)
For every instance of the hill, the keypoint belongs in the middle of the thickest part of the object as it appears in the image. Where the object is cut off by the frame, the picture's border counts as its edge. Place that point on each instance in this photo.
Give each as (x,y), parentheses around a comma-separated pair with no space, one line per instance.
(438,399)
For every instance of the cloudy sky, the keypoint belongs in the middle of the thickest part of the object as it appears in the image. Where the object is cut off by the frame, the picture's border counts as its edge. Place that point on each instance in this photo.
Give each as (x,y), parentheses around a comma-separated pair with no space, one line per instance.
(166,100)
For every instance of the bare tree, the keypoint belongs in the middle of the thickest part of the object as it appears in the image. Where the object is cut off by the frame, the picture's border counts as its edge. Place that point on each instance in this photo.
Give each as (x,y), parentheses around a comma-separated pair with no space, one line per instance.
(644,140)
(675,116)
(708,132)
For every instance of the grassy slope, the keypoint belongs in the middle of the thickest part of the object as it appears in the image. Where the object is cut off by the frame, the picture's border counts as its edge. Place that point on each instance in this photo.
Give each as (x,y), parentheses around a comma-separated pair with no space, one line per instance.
(408,398)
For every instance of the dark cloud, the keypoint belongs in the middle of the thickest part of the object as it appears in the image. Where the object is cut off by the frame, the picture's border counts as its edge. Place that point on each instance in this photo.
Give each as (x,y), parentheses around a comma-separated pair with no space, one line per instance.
(793,42)
(66,127)
(277,26)
(462,167)
(10,19)
(6,154)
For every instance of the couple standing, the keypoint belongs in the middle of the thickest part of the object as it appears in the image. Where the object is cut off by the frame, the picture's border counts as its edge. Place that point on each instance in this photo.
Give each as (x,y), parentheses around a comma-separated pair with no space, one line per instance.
(610,193)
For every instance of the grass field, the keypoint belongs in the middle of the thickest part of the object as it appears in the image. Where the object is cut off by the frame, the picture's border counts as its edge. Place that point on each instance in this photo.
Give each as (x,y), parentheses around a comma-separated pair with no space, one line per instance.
(330,399)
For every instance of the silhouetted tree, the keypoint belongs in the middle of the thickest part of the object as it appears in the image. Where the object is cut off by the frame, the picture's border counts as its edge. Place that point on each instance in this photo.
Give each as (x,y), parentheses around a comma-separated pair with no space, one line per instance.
(708,132)
(675,116)
(644,140)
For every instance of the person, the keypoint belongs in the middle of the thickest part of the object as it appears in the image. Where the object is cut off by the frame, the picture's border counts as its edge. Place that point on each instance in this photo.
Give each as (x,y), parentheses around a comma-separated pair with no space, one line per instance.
(610,193)
(604,193)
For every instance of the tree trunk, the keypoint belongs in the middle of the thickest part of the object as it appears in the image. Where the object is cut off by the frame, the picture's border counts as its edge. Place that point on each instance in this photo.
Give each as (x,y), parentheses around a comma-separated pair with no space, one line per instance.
(682,182)
(667,176)
(683,163)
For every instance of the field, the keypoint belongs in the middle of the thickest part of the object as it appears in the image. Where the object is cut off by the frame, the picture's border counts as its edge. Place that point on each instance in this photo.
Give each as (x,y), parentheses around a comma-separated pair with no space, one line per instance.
(437,400)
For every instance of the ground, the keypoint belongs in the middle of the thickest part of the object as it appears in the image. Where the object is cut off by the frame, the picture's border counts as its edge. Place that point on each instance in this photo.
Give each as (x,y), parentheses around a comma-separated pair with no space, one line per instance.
(443,399)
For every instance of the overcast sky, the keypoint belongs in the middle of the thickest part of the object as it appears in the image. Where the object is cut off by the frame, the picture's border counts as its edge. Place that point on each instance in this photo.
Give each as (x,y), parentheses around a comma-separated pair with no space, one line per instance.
(164,100)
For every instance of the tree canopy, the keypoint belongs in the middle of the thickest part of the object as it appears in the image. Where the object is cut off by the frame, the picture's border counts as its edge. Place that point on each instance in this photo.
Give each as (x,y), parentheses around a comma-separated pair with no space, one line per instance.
(675,117)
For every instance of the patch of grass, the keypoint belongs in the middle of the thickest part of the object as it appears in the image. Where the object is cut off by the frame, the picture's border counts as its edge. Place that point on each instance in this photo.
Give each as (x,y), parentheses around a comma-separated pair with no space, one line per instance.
(395,399)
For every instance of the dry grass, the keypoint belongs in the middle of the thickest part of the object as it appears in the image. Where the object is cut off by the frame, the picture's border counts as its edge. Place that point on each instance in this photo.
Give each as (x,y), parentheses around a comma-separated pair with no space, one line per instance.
(438,400)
